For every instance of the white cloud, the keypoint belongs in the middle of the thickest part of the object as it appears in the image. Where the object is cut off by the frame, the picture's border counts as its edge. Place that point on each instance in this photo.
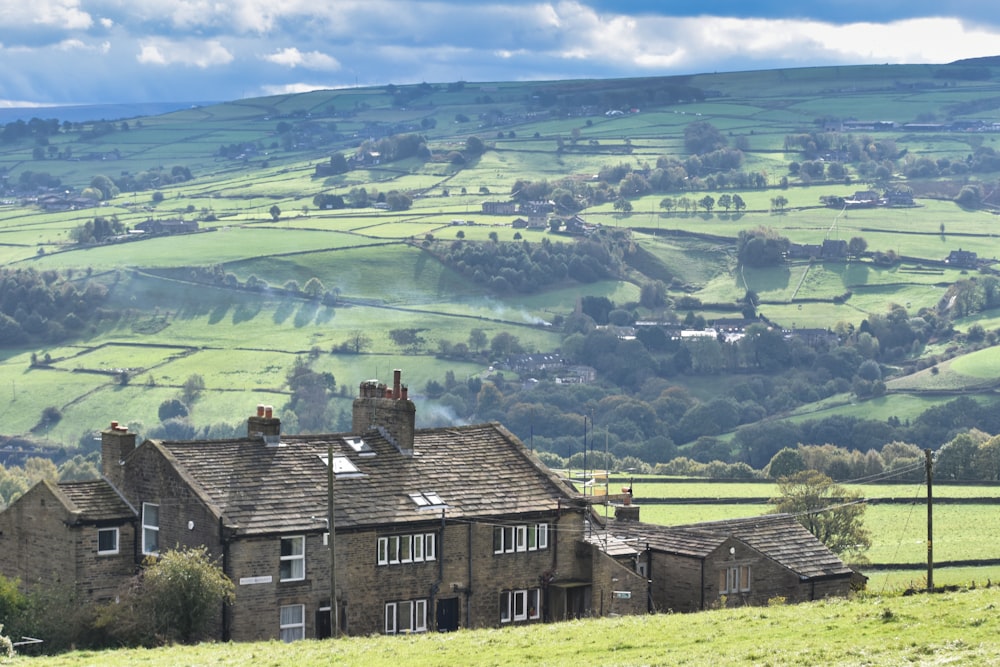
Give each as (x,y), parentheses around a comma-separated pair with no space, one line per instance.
(292,57)
(62,14)
(293,88)
(192,53)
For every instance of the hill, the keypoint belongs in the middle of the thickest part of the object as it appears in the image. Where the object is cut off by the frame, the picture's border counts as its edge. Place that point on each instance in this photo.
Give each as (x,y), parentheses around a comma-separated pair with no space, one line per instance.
(326,237)
(919,629)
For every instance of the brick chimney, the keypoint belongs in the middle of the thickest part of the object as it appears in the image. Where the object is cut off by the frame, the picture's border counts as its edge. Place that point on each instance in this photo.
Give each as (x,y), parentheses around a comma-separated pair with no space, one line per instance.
(263,424)
(386,409)
(116,444)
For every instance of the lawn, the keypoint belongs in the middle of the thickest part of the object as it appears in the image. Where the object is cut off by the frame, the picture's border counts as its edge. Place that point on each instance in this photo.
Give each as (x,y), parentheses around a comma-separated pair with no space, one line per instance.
(948,628)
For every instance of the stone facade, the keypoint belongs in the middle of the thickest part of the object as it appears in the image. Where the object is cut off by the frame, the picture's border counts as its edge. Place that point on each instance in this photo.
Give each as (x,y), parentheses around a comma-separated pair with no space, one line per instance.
(433,529)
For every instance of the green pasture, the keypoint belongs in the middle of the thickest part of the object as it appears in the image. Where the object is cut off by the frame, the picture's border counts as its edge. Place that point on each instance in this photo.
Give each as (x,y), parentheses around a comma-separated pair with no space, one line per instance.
(881,582)
(901,405)
(975,370)
(109,358)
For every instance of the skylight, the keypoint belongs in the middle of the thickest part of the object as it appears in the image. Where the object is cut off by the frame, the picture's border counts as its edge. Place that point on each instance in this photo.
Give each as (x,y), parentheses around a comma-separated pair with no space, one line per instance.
(360,446)
(342,466)
(427,500)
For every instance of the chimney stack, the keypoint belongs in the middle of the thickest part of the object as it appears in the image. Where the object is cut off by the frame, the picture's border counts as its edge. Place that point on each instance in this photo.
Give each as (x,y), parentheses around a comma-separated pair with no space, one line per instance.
(116,444)
(389,410)
(264,423)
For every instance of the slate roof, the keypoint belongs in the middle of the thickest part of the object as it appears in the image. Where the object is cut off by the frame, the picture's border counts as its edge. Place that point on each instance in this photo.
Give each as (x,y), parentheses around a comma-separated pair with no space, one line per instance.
(477,471)
(778,536)
(94,500)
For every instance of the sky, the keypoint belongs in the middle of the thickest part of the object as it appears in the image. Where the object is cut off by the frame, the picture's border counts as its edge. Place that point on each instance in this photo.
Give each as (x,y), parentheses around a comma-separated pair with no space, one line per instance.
(61,52)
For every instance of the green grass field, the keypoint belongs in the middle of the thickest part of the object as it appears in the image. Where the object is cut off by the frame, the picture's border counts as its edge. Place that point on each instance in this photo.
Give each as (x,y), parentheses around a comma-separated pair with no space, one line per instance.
(386,280)
(948,628)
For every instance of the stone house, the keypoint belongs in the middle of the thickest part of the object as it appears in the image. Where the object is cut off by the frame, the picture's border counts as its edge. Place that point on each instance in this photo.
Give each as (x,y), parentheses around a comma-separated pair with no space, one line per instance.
(78,535)
(734,563)
(433,529)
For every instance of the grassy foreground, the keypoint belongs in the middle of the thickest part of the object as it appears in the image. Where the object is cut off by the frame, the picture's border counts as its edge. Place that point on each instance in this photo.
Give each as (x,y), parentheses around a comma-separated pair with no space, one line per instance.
(948,628)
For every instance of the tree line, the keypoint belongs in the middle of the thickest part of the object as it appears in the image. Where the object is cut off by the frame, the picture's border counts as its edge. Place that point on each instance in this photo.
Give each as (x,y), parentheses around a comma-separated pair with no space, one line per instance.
(48,306)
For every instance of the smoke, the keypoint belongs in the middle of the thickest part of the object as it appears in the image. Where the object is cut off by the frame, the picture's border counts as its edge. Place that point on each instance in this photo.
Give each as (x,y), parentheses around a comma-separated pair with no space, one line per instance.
(432,415)
(506,313)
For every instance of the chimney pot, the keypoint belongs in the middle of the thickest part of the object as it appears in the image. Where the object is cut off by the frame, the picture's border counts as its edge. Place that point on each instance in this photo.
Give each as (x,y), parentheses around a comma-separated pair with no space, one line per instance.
(260,409)
(268,412)
(114,425)
(404,392)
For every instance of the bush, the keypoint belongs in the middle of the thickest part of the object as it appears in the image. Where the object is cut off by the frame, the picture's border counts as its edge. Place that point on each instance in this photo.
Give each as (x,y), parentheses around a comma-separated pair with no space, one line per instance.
(174,599)
(12,604)
(181,592)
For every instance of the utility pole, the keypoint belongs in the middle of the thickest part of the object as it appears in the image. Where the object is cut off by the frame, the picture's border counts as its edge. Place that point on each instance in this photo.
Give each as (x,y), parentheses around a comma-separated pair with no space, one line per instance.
(928,464)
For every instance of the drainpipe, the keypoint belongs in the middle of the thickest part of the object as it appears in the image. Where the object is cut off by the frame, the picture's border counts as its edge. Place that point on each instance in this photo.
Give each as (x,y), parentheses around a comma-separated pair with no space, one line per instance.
(226,612)
(436,586)
(649,579)
(702,584)
(468,588)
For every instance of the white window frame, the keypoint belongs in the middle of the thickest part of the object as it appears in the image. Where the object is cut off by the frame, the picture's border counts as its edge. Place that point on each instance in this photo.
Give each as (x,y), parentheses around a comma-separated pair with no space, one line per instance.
(390,618)
(520,538)
(296,560)
(290,630)
(383,551)
(117,536)
(734,579)
(520,605)
(405,617)
(402,549)
(150,531)
(418,547)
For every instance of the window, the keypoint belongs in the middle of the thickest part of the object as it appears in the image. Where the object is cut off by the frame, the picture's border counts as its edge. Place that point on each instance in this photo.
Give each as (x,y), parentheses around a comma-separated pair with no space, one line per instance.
(520,605)
(292,624)
(734,579)
(107,541)
(396,549)
(405,616)
(150,529)
(293,558)
(527,537)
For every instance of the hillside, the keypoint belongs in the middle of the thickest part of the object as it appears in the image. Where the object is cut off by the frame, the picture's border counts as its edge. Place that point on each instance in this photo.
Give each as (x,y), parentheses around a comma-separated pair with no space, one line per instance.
(331,236)
(954,627)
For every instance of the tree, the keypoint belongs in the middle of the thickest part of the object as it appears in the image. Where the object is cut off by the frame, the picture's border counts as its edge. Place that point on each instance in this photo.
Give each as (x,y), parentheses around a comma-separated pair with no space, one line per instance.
(357,341)
(856,247)
(171,409)
(738,203)
(192,387)
(275,212)
(832,513)
(707,202)
(474,146)
(183,590)
(477,339)
(313,288)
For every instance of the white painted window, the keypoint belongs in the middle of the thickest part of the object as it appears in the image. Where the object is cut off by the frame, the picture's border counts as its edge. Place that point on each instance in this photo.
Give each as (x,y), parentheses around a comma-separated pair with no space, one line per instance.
(398,549)
(107,541)
(405,617)
(520,605)
(292,623)
(520,538)
(293,558)
(734,579)
(150,529)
